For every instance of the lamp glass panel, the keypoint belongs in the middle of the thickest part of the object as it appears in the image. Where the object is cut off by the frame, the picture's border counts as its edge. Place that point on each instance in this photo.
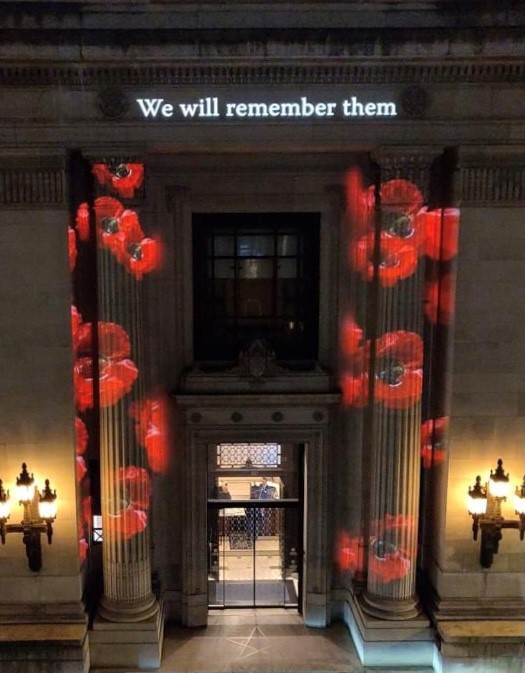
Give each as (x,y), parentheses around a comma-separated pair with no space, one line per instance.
(47,509)
(477,505)
(25,492)
(519,503)
(5,509)
(499,489)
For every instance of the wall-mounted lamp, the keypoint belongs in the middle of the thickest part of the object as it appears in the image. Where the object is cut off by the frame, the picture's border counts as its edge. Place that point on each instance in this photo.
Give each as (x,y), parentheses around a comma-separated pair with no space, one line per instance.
(484,505)
(40,510)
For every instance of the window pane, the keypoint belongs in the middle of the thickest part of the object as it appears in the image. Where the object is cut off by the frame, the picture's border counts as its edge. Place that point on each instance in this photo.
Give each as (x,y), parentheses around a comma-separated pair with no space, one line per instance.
(287,245)
(250,245)
(255,268)
(224,268)
(287,268)
(224,246)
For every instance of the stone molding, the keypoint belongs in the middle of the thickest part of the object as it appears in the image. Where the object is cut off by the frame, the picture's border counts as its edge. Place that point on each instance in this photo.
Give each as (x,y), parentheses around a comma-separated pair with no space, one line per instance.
(39,181)
(326,71)
(492,185)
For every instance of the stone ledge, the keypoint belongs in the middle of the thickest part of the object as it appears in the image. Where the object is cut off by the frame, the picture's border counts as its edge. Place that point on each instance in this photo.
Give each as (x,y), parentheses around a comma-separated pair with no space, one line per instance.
(61,634)
(501,631)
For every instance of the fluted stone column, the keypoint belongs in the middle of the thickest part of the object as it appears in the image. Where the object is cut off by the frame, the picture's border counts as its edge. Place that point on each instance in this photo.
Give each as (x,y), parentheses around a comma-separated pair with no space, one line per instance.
(397,368)
(125,556)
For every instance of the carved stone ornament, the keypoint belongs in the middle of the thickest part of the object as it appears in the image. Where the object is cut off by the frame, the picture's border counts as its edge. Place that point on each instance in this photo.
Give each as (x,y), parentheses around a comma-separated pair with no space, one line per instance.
(257,358)
(112,102)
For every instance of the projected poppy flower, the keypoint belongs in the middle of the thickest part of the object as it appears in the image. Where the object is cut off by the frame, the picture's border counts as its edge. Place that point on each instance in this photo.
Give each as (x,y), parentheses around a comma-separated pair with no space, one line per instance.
(359,205)
(353,380)
(399,195)
(440,299)
(117,228)
(386,563)
(124,178)
(143,257)
(76,321)
(72,248)
(354,390)
(152,430)
(81,436)
(83,548)
(389,560)
(399,374)
(349,552)
(136,484)
(441,233)
(82,222)
(117,372)
(350,336)
(81,468)
(126,523)
(397,259)
(87,512)
(433,437)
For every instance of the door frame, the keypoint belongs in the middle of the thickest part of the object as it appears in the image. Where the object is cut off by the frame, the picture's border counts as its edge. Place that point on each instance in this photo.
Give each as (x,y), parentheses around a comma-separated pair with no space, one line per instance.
(214,420)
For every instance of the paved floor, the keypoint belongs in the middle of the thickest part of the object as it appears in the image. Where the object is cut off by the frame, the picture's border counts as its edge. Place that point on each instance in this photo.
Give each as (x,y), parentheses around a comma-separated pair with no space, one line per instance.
(261,641)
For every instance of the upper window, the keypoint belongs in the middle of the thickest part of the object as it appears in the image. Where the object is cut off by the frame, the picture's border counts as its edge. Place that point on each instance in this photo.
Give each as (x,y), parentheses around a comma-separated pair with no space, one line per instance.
(256,276)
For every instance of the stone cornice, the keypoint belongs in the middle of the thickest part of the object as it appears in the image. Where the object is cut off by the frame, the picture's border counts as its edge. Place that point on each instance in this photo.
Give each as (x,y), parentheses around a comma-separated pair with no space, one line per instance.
(299,72)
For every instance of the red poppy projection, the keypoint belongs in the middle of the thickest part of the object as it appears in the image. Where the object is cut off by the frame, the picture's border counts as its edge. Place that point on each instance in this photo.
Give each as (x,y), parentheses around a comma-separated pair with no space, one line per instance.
(126,523)
(152,428)
(353,380)
(72,248)
(440,299)
(399,369)
(433,441)
(349,552)
(387,560)
(397,259)
(119,231)
(117,372)
(82,222)
(123,178)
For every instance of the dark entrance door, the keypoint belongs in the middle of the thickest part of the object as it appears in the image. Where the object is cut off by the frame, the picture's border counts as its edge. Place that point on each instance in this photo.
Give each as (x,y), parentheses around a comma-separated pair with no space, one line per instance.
(255,534)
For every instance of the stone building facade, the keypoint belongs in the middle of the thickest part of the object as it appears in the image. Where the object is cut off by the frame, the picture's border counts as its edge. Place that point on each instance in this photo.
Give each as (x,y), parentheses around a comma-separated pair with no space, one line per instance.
(377,151)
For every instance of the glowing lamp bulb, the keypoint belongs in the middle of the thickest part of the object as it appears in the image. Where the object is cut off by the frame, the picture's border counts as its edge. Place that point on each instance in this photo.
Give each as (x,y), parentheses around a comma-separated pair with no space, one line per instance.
(5,503)
(519,499)
(499,484)
(477,499)
(47,504)
(25,486)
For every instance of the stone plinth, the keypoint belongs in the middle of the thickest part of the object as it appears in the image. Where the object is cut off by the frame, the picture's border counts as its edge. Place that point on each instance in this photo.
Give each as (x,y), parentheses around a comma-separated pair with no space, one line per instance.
(475,646)
(29,648)
(133,644)
(387,643)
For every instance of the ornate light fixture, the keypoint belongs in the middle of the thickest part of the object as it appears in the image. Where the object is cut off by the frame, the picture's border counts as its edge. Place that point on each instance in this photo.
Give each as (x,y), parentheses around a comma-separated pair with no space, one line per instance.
(484,505)
(40,511)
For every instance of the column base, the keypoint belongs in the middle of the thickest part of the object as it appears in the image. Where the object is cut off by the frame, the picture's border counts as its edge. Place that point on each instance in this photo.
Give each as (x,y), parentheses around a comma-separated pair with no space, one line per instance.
(133,644)
(390,643)
(389,609)
(119,611)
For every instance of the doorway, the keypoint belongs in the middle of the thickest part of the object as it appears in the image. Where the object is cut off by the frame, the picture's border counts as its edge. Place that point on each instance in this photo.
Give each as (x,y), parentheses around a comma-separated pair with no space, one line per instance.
(254,526)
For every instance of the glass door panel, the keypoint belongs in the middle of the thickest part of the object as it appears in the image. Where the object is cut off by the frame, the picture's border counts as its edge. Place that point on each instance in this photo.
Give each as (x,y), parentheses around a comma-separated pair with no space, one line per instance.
(254,525)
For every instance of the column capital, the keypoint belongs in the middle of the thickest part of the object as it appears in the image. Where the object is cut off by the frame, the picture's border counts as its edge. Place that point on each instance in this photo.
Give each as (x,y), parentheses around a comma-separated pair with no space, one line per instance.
(407,162)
